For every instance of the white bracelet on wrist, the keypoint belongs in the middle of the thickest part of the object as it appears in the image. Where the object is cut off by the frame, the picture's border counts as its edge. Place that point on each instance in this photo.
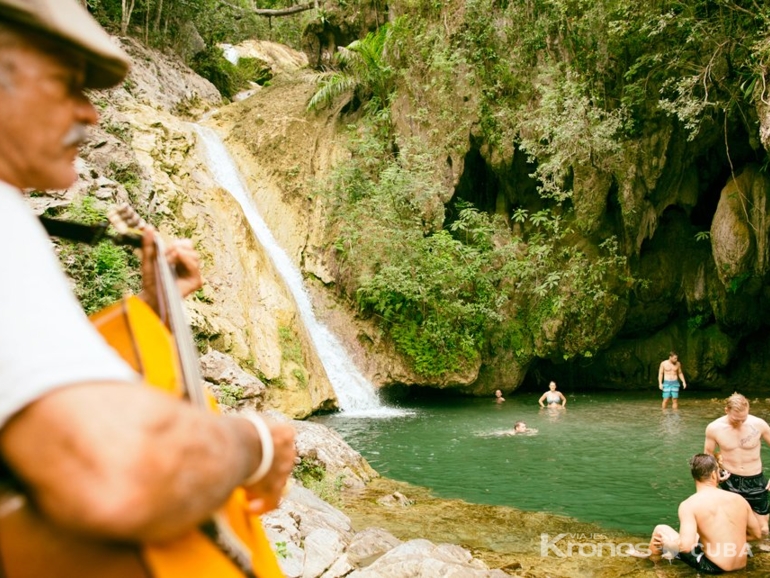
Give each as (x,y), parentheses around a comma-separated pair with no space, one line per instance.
(268,451)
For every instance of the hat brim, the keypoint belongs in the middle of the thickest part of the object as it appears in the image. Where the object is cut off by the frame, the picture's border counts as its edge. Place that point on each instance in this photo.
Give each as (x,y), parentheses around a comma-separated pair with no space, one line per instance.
(67,22)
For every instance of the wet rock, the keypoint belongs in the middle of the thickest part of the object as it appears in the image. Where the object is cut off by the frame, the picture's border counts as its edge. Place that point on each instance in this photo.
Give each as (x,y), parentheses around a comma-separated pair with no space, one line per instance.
(230,381)
(423,558)
(395,499)
(325,447)
(369,545)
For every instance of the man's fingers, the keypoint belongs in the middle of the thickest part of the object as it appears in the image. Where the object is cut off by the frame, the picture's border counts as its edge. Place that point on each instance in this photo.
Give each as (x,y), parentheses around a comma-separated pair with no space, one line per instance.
(183,257)
(266,494)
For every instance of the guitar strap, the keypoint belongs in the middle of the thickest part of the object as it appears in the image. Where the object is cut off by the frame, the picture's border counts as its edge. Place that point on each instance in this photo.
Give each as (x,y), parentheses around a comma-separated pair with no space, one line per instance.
(80,233)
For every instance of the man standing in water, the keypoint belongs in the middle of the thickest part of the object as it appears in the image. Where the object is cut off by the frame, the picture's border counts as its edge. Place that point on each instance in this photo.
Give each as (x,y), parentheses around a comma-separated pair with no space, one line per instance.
(669,376)
(739,437)
(714,525)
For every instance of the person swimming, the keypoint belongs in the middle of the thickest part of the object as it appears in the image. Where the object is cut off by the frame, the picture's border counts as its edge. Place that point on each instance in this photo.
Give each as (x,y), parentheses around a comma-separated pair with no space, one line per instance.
(521,428)
(552,397)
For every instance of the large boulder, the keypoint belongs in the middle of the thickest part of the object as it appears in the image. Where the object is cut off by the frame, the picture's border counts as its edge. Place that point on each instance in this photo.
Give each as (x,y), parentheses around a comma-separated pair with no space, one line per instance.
(739,231)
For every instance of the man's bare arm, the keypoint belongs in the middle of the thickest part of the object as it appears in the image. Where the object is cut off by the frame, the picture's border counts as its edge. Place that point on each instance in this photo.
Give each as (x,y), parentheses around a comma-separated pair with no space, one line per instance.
(680,373)
(660,375)
(710,445)
(688,528)
(764,430)
(129,462)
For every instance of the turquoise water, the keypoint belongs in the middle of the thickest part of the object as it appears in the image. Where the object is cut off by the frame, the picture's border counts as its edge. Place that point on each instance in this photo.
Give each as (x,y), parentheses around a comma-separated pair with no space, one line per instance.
(614,459)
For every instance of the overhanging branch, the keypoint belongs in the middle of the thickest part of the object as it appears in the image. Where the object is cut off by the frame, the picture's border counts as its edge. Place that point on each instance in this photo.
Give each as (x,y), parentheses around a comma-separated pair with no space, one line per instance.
(270,12)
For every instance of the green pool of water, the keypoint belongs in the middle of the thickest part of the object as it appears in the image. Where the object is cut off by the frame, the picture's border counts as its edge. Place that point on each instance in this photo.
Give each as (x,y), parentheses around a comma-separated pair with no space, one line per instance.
(613,459)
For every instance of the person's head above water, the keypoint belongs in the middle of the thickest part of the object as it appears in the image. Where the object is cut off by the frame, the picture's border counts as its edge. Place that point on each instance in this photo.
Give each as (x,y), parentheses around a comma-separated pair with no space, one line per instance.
(520,427)
(552,386)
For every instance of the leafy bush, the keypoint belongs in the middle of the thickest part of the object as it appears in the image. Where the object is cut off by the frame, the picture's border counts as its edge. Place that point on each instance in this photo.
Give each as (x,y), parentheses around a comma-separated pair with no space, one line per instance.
(212,65)
(102,274)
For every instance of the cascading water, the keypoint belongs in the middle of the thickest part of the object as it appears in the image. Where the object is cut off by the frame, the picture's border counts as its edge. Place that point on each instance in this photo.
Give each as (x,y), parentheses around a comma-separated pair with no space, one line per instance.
(355,394)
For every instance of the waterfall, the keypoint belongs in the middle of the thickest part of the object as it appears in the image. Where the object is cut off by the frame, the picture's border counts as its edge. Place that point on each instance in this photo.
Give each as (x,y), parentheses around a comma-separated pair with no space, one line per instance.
(230,53)
(355,394)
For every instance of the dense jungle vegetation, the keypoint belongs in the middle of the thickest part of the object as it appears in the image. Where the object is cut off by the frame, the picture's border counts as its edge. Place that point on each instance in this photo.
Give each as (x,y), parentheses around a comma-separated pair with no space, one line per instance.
(571,85)
(560,92)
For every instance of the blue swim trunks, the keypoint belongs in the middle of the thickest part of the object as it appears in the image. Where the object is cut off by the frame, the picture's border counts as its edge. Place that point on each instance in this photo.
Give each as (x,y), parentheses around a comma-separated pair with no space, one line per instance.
(671,389)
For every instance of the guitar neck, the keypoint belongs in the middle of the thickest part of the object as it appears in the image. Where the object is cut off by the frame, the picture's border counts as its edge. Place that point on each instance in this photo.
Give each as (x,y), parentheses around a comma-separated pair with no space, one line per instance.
(180,328)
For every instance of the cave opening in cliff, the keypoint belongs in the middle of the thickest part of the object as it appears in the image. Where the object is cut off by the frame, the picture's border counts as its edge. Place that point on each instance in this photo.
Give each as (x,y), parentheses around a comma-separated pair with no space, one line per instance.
(715,167)
(478,185)
(395,394)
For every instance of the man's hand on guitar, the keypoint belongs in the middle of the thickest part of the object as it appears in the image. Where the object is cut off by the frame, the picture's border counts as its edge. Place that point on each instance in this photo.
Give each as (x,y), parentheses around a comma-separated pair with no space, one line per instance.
(265,495)
(183,258)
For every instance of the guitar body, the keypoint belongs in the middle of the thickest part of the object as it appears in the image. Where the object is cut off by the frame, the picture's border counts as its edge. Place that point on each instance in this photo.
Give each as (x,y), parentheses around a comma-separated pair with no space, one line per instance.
(33,547)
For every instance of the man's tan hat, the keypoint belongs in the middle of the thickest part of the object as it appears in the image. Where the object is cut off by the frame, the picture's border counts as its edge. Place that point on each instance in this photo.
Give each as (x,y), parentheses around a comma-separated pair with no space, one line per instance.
(67,21)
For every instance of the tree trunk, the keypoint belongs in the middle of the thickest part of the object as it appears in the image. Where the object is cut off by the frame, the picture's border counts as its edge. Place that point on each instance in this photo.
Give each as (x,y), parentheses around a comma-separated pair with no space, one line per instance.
(127,7)
(147,24)
(158,13)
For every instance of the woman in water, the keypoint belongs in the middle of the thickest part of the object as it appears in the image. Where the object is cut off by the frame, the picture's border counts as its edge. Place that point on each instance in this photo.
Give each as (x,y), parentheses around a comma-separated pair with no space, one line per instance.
(552,397)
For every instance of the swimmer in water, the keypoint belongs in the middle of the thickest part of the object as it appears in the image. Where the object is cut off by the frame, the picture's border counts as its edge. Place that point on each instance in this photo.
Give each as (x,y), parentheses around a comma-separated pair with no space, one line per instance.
(521,428)
(552,397)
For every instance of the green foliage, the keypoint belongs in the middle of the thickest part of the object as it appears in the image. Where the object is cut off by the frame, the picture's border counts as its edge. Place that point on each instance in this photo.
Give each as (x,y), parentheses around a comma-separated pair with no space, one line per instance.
(167,22)
(738,281)
(230,395)
(291,348)
(229,78)
(212,65)
(448,295)
(120,130)
(281,550)
(127,175)
(309,469)
(312,474)
(102,274)
(363,71)
(697,321)
(436,301)
(253,70)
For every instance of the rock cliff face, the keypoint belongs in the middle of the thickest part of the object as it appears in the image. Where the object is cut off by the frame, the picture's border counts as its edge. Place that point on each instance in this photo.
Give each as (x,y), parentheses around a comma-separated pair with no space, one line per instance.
(690,216)
(691,221)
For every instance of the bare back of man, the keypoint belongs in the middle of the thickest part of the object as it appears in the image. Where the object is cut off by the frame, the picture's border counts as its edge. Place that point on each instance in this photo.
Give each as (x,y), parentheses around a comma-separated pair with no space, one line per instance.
(714,525)
(721,519)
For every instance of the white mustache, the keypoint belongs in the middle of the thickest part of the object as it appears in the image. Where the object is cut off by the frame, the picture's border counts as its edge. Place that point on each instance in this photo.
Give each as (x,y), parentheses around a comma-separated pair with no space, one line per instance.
(76,135)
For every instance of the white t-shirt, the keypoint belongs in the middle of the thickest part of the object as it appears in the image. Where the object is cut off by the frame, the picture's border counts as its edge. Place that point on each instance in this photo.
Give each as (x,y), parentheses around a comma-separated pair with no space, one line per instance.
(46,340)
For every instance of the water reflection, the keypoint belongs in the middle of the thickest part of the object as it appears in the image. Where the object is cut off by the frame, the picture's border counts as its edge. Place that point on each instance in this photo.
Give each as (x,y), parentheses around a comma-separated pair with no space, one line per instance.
(670,422)
(553,413)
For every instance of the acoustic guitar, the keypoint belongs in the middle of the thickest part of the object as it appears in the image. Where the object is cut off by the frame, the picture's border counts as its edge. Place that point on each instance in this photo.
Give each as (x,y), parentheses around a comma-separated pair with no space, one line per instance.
(230,545)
